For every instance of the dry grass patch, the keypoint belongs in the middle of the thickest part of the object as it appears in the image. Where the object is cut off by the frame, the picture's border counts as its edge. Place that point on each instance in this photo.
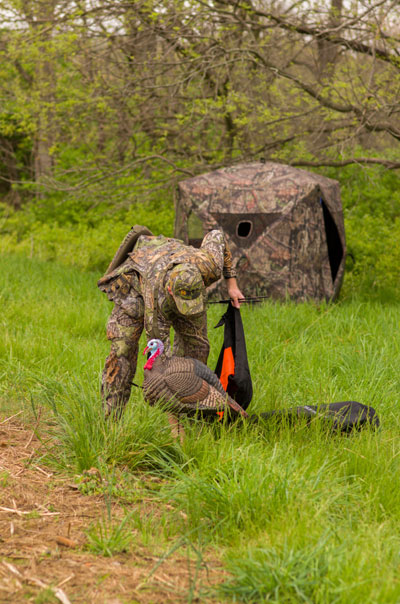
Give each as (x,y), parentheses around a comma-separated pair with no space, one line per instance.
(43,524)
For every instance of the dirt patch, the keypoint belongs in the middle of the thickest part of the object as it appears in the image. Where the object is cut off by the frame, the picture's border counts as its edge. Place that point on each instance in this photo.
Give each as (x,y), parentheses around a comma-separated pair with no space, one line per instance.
(43,518)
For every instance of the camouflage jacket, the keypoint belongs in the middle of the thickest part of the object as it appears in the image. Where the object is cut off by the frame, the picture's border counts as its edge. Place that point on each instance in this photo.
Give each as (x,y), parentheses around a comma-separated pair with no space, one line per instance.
(146,268)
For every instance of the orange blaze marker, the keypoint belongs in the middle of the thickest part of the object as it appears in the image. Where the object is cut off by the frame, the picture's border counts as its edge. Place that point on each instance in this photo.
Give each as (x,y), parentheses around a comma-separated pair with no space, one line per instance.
(228,367)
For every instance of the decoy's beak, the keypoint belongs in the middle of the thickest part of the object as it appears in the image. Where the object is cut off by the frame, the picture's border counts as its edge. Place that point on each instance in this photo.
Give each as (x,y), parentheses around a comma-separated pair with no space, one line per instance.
(145,350)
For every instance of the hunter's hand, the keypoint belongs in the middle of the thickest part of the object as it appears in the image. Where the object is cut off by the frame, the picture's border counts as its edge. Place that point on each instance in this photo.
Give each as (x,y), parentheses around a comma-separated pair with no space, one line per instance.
(234,292)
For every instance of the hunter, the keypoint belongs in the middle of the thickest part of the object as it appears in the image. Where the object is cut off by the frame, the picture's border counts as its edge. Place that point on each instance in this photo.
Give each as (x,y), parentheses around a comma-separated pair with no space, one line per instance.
(160,284)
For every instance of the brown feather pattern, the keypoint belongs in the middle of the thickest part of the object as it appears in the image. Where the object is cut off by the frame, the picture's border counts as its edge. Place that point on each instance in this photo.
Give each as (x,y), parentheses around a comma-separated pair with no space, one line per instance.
(186,385)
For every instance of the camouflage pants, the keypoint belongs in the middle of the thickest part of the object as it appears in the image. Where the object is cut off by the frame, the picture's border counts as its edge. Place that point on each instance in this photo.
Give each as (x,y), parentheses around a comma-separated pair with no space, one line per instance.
(124,329)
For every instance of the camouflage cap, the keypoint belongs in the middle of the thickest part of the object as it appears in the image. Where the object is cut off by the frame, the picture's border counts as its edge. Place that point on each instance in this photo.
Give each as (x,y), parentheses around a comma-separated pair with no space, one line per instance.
(187,288)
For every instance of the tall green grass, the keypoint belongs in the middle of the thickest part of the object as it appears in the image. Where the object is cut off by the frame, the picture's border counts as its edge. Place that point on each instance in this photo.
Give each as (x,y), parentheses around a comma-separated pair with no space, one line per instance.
(297,513)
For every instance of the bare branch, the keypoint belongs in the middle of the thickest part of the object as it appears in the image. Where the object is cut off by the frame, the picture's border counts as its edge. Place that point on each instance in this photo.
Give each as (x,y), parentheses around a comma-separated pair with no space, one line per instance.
(329,34)
(390,165)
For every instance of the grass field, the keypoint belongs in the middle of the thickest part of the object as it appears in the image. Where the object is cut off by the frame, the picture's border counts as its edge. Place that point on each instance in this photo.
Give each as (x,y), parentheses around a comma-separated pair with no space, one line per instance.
(295,514)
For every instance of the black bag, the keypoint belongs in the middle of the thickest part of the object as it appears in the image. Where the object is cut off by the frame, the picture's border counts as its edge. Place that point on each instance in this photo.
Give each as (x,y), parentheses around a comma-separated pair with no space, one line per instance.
(232,366)
(341,417)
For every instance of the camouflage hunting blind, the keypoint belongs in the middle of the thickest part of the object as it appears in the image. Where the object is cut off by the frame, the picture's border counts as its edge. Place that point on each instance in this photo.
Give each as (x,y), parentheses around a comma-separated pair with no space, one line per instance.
(284,225)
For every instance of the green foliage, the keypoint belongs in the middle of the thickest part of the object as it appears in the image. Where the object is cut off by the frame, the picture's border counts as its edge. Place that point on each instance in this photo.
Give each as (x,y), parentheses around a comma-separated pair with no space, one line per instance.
(331,568)
(114,484)
(371,200)
(266,575)
(46,596)
(298,514)
(107,537)
(75,235)
(4,478)
(369,190)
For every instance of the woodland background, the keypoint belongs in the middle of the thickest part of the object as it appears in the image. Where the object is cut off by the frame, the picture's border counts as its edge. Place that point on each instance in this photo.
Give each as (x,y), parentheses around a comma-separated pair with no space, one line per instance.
(105,106)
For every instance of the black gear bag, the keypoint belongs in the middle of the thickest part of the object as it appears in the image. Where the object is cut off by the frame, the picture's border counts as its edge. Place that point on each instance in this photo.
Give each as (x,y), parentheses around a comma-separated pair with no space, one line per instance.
(341,417)
(232,366)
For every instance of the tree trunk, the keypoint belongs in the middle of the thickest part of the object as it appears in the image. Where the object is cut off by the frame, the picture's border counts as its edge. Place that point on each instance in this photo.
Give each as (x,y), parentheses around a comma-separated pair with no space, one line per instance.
(8,159)
(41,18)
(327,51)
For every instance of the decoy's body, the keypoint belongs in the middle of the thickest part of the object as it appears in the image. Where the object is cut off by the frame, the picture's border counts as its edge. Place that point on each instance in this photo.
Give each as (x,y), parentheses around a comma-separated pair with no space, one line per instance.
(185,385)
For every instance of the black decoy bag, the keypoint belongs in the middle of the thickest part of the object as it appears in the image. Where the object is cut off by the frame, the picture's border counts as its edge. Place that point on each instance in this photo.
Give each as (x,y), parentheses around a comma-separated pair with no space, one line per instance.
(232,366)
(345,416)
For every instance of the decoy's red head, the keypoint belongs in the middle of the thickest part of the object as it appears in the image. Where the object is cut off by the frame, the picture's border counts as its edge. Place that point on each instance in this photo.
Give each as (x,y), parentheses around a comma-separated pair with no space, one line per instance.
(154,345)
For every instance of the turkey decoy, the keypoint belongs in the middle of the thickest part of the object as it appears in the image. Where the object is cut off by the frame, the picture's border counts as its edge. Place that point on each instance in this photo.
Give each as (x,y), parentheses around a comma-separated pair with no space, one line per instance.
(185,385)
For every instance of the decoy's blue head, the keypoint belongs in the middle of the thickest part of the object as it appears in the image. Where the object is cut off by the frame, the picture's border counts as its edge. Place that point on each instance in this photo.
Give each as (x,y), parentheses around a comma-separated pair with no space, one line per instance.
(153,346)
